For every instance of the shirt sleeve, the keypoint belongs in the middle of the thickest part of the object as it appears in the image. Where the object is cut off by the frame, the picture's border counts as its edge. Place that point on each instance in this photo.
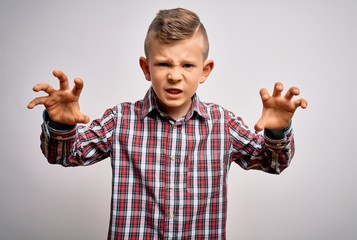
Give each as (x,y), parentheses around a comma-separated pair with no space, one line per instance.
(270,152)
(71,145)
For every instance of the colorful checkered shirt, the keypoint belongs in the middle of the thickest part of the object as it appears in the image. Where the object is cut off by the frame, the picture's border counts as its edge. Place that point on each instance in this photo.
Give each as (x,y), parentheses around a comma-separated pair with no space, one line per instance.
(169,177)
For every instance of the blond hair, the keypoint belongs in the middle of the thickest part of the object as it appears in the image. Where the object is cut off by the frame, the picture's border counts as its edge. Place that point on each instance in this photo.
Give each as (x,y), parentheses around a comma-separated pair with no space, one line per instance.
(172,25)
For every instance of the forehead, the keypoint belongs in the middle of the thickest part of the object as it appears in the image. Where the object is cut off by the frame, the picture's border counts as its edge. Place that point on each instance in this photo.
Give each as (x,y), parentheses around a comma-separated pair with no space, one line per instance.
(193,46)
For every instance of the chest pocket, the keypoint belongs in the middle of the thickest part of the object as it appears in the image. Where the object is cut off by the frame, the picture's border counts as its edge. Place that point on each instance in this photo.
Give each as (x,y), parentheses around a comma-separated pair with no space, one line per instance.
(204,178)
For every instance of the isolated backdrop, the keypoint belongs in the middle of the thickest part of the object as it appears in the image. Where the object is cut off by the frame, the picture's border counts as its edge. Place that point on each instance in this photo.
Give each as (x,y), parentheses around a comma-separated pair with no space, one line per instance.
(310,44)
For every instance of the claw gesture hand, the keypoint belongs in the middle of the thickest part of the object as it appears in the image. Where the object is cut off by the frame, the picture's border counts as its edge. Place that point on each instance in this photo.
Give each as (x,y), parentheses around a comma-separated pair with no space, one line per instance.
(62,105)
(278,110)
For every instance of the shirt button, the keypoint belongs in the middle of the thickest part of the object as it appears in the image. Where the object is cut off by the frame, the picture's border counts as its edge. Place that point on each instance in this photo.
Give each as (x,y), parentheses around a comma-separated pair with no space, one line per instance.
(172,157)
(172,216)
(172,186)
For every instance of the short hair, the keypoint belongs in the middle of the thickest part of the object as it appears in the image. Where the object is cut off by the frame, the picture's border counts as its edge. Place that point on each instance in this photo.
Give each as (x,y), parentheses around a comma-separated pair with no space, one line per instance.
(172,25)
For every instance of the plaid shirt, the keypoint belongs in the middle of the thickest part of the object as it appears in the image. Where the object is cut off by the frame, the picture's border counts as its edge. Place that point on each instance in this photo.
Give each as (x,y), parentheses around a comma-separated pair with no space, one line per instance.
(169,177)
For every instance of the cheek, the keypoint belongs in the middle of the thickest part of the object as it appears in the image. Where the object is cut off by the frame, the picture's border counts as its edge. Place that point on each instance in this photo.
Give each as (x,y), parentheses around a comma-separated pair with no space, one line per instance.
(158,75)
(157,80)
(193,86)
(196,78)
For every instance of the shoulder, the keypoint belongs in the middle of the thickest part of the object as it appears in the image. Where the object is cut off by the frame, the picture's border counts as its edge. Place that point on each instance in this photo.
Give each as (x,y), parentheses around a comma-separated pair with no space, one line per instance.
(126,109)
(216,111)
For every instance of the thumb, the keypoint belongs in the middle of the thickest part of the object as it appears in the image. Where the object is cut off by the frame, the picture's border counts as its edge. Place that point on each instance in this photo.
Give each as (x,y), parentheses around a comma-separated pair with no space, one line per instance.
(82,118)
(260,125)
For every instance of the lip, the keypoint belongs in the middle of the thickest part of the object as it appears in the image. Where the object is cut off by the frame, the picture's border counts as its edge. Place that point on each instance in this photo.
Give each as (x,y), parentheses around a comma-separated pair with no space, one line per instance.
(173,92)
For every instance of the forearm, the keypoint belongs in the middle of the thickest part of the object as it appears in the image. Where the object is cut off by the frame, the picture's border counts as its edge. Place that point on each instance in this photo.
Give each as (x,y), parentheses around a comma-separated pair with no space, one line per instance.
(271,152)
(57,141)
(70,145)
(279,151)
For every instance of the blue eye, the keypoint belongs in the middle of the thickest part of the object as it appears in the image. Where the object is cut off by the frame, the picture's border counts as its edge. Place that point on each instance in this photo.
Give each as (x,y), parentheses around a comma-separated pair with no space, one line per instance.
(163,65)
(188,66)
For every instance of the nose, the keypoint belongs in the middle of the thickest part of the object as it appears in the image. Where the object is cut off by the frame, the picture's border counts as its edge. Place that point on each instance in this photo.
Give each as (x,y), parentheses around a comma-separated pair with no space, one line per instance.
(174,74)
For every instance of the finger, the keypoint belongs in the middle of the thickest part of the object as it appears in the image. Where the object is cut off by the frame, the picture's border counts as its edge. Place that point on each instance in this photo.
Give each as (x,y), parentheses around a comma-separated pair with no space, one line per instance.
(78,86)
(63,79)
(36,101)
(82,118)
(264,94)
(304,103)
(278,88)
(301,103)
(259,126)
(43,87)
(293,91)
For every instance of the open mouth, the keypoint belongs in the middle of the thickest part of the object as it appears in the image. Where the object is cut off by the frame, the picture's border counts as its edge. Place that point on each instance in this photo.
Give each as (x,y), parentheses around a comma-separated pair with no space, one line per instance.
(173,91)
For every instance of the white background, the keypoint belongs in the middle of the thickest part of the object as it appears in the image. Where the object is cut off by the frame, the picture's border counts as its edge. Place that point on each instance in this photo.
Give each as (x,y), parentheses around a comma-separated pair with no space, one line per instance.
(310,44)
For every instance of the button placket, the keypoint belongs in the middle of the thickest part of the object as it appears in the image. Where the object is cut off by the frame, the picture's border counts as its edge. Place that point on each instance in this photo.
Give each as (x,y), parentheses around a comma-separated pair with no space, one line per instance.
(171,175)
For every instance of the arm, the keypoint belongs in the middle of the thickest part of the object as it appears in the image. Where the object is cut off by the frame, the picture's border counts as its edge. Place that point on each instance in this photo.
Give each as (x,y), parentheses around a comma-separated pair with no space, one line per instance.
(70,145)
(273,151)
(61,141)
(270,152)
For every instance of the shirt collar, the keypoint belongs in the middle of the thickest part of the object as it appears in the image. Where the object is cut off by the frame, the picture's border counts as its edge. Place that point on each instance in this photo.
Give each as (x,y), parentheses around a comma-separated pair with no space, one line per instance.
(150,105)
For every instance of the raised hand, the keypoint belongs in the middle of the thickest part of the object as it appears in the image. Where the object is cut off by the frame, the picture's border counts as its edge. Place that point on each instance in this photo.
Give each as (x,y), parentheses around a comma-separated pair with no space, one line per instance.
(62,105)
(278,110)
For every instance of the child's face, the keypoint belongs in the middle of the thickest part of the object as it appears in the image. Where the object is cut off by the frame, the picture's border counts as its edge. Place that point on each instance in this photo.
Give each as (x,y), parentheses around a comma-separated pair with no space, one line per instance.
(175,71)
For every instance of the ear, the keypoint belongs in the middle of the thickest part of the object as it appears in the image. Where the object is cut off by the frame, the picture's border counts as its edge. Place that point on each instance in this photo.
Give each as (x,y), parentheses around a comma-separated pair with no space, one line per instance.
(144,64)
(207,68)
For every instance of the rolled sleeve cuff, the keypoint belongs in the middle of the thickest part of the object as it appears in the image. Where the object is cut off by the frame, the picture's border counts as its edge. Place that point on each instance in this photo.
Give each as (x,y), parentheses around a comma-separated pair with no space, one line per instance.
(57,131)
(276,138)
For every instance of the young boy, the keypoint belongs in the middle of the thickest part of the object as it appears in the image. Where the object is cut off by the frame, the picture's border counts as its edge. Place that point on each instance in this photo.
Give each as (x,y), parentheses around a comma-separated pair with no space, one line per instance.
(170,152)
